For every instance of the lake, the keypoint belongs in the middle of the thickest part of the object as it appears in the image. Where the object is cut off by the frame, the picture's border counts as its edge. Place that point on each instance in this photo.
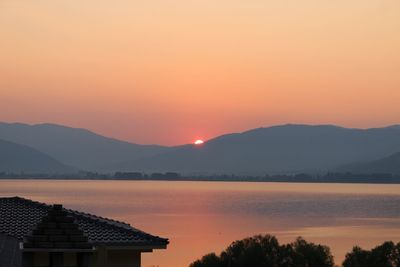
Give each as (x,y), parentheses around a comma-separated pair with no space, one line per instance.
(203,217)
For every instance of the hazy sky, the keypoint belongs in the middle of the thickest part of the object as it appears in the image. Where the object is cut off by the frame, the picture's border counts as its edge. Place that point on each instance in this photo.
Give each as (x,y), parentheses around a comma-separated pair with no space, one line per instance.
(171,71)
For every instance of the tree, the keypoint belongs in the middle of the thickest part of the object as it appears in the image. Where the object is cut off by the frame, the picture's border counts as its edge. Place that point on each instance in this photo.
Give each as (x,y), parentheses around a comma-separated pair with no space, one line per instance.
(265,251)
(385,255)
(356,258)
(209,260)
(311,255)
(257,251)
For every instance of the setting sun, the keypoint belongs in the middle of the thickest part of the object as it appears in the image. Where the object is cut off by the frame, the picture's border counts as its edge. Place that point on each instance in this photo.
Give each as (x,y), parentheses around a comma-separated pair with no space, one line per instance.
(240,133)
(198,142)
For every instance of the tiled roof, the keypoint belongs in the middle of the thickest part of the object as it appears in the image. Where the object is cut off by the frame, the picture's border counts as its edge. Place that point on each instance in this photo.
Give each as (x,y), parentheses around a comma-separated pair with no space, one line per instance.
(57,230)
(19,216)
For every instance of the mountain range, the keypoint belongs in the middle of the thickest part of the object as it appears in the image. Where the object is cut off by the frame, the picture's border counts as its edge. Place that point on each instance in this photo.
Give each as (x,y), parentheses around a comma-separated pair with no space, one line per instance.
(76,147)
(15,158)
(390,164)
(279,149)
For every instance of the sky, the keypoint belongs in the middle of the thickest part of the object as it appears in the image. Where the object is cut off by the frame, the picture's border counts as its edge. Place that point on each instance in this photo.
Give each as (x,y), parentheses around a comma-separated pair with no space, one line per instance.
(173,71)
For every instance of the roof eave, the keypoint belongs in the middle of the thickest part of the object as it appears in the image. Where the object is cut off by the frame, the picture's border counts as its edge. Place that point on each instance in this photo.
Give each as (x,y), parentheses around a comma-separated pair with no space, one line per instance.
(23,249)
(130,247)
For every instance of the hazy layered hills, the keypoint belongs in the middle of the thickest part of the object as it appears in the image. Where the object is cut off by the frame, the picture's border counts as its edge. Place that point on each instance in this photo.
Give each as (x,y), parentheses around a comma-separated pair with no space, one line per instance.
(278,149)
(15,158)
(287,148)
(390,164)
(76,147)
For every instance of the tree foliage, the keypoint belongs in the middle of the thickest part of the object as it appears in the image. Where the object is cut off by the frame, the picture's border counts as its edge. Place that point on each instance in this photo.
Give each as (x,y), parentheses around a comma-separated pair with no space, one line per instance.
(265,251)
(385,255)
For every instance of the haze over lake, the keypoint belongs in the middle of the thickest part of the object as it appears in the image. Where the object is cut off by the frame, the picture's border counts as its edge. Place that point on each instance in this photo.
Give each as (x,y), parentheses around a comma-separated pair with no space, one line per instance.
(202,217)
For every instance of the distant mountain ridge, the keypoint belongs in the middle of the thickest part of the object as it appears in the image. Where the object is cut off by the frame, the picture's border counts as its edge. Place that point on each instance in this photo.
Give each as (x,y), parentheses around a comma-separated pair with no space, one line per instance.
(390,164)
(76,147)
(15,158)
(286,149)
(278,149)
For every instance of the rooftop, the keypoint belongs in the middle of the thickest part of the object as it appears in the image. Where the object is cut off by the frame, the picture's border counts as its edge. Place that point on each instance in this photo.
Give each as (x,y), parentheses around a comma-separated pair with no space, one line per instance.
(19,217)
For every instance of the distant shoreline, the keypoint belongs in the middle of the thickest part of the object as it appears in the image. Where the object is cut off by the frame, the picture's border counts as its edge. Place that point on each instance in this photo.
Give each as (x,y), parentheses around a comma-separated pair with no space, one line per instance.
(395,180)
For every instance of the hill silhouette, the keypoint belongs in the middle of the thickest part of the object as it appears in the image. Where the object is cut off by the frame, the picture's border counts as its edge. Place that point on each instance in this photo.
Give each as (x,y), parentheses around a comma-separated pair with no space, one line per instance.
(278,149)
(390,164)
(75,146)
(274,150)
(15,158)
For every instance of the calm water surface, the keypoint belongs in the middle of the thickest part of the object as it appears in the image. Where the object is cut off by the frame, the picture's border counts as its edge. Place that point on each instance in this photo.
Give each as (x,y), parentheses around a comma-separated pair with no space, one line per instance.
(202,217)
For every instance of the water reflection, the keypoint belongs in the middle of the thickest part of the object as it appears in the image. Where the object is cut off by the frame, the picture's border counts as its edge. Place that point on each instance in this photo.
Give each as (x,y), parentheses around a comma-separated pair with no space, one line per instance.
(200,217)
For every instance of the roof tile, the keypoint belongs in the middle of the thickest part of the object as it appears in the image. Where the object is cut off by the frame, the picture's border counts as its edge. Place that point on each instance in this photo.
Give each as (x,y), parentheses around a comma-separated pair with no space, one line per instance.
(20,216)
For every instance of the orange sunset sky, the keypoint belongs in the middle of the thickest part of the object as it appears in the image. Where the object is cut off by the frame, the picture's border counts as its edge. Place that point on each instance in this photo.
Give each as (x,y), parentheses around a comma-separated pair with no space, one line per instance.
(172,71)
